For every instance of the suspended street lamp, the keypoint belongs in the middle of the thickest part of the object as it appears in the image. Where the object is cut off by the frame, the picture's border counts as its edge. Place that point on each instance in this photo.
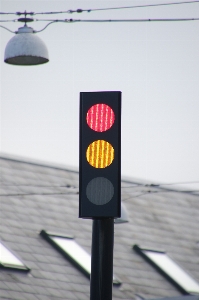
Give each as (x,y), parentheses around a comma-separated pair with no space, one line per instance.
(26,48)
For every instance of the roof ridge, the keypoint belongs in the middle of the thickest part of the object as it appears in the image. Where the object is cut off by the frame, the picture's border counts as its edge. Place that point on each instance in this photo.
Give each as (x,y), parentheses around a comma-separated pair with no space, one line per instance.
(38,163)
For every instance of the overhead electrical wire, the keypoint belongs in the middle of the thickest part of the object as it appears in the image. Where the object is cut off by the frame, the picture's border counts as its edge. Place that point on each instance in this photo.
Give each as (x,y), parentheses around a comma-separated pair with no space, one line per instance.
(118,20)
(52,21)
(134,185)
(149,192)
(106,21)
(172,183)
(134,6)
(36,194)
(125,199)
(35,185)
(7,29)
(79,10)
(130,196)
(162,184)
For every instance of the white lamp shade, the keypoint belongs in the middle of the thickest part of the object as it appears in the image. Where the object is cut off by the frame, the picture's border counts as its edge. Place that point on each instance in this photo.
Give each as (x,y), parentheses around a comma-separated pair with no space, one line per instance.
(25,48)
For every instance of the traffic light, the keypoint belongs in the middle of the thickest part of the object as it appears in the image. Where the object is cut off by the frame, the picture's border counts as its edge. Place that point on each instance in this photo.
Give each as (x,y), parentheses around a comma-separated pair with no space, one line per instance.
(100,155)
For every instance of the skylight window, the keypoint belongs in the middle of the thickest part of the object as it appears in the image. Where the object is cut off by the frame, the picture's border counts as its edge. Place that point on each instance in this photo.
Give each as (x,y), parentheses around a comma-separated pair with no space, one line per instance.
(9,260)
(172,271)
(68,247)
(74,251)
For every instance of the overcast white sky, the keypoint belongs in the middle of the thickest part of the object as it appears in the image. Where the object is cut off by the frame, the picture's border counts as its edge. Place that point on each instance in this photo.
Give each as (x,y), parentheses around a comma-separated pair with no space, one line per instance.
(155,65)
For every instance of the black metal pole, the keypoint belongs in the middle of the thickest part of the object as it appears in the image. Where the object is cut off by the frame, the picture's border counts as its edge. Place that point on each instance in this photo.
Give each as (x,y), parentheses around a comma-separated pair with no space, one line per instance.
(102,259)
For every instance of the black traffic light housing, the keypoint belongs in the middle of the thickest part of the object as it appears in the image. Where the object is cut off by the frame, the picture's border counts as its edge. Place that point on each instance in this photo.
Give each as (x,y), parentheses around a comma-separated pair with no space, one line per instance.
(100,185)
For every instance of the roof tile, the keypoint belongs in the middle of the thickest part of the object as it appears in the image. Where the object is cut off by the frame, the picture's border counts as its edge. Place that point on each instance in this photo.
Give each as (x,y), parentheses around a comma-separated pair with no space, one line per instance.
(40,197)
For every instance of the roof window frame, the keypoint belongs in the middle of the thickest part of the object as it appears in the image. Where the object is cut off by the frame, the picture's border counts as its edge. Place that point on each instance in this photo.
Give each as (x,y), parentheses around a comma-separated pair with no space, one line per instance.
(47,236)
(181,287)
(12,266)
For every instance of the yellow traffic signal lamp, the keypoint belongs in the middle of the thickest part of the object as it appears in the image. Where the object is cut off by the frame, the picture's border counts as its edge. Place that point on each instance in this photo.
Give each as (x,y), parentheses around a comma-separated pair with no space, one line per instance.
(100,155)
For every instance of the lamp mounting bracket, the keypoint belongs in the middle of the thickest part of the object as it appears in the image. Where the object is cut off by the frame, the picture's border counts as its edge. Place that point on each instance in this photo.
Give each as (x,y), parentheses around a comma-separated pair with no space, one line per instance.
(25,20)
(24,13)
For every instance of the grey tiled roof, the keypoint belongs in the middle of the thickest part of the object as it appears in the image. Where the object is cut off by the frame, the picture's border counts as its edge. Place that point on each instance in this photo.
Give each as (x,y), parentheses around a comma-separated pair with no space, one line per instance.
(36,197)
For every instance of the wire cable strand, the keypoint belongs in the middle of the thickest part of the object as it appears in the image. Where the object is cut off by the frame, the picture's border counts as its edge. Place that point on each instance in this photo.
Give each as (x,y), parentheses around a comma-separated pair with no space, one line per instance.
(68,186)
(133,20)
(4,21)
(116,20)
(135,6)
(35,31)
(39,186)
(79,10)
(148,192)
(7,29)
(36,194)
(160,185)
(7,13)
(51,21)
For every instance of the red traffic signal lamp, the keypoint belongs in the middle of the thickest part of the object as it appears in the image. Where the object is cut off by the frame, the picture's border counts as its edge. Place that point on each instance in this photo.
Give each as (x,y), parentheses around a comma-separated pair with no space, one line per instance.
(100,155)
